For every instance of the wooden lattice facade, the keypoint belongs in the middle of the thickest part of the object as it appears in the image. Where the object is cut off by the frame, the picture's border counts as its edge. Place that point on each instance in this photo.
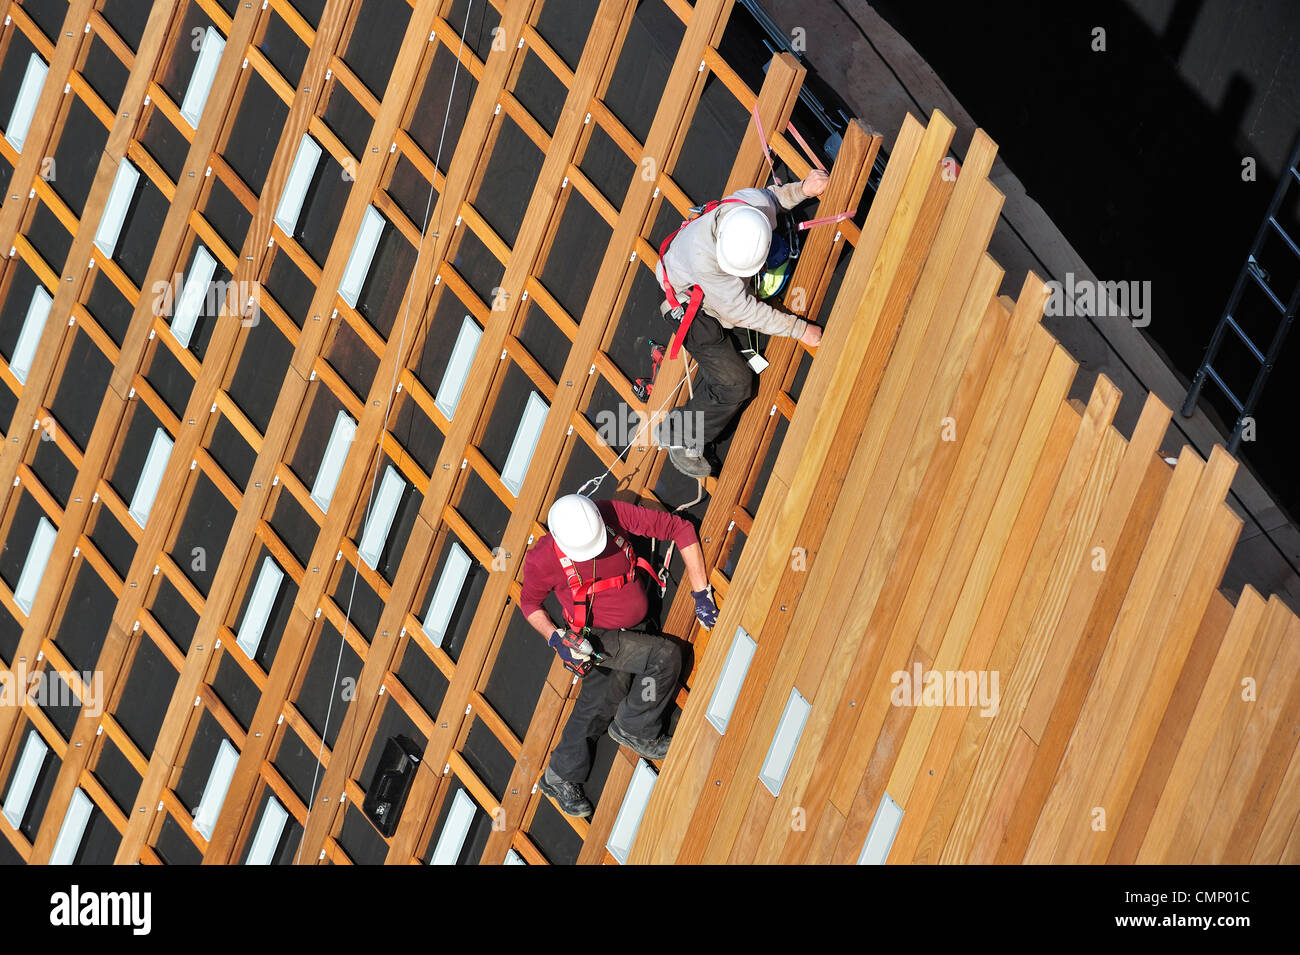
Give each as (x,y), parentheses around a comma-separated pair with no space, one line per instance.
(561,139)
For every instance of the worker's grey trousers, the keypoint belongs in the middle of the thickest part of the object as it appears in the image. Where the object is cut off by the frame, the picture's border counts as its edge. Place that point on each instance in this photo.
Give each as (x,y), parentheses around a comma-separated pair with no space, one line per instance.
(635,685)
(723,382)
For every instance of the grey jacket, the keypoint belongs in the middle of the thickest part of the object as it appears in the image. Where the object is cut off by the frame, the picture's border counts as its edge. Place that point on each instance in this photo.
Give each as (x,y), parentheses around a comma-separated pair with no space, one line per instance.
(692,260)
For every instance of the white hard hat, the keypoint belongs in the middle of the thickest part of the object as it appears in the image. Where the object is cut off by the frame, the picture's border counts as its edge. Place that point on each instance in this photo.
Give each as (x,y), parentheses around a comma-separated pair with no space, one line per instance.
(577,527)
(744,235)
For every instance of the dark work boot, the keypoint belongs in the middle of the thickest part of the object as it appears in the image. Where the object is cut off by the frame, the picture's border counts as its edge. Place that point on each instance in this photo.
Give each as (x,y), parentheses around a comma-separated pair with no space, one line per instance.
(568,796)
(690,462)
(655,749)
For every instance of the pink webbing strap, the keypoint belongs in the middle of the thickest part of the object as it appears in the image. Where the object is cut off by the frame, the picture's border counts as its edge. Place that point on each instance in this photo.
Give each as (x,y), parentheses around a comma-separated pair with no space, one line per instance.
(827,220)
(807,151)
(762,138)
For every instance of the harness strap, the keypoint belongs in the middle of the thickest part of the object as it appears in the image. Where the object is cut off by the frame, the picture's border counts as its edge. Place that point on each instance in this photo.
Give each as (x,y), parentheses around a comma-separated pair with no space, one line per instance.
(807,151)
(827,220)
(581,592)
(685,314)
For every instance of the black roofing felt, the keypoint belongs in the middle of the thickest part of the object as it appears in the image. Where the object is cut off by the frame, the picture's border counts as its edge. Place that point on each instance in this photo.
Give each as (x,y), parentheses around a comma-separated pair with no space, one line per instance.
(113,541)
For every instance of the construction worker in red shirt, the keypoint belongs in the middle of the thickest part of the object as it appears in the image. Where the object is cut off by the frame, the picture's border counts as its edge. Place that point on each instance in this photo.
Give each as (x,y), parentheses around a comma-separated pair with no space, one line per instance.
(704,270)
(588,562)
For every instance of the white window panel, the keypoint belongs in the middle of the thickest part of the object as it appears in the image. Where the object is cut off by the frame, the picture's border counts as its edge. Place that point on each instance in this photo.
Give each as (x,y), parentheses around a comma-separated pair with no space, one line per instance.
(457,373)
(73,829)
(514,858)
(265,590)
(34,566)
(521,449)
(20,120)
(146,489)
(784,741)
(889,815)
(214,793)
(363,253)
(24,778)
(301,174)
(193,296)
(205,70)
(331,465)
(119,200)
(454,830)
(623,834)
(380,521)
(38,311)
(447,594)
(732,678)
(269,831)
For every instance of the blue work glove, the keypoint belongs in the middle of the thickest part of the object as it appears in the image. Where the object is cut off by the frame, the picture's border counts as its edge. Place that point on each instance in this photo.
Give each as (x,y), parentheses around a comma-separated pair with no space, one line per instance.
(567,645)
(706,611)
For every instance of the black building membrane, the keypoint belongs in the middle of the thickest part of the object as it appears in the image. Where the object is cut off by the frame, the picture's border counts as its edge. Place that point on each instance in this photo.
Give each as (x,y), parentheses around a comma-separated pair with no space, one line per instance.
(607,166)
(517,677)
(236,691)
(359,602)
(99,842)
(422,679)
(565,24)
(128,18)
(294,526)
(544,340)
(553,836)
(182,51)
(540,91)
(477,266)
(13,310)
(227,216)
(322,412)
(640,322)
(140,230)
(61,705)
(297,764)
(348,119)
(361,840)
(47,14)
(165,144)
(86,619)
(76,157)
(576,252)
(290,287)
(174,846)
(319,684)
(174,613)
(477,27)
(352,359)
(11,631)
(417,433)
(54,470)
(440,112)
(207,523)
(148,690)
(169,378)
(411,191)
(322,208)
(475,838)
(646,59)
(486,515)
(439,339)
(116,774)
(283,47)
(503,422)
(49,237)
(382,300)
(765,469)
(113,540)
(111,309)
(375,42)
(512,169)
(255,132)
(263,363)
(106,74)
(491,761)
(233,454)
(715,132)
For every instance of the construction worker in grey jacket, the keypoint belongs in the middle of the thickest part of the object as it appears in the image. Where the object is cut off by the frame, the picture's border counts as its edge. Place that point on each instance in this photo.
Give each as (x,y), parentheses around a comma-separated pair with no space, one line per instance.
(706,264)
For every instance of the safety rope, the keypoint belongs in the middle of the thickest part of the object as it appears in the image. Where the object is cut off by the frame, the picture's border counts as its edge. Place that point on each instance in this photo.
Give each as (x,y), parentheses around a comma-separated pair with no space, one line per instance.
(374,480)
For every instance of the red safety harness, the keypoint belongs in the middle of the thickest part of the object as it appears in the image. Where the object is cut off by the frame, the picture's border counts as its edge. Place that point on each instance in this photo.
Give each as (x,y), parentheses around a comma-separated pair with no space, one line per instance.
(685,314)
(583,592)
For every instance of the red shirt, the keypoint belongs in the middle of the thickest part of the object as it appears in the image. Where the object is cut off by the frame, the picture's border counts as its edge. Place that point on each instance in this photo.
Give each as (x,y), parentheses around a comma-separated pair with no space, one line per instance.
(611,609)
